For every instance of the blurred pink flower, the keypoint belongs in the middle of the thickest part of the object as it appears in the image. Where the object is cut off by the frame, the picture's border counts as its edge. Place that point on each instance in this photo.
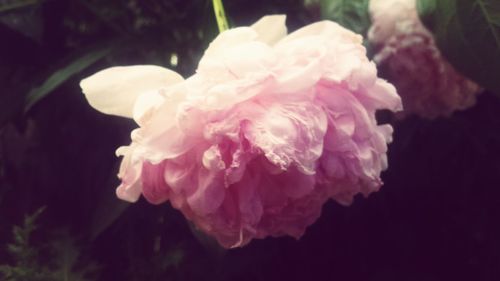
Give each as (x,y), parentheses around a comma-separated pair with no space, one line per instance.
(407,55)
(268,129)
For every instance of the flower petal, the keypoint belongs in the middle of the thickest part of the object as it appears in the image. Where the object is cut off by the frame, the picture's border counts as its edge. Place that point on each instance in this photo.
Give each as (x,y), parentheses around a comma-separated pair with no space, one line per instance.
(385,15)
(228,39)
(145,105)
(289,133)
(154,187)
(114,90)
(270,29)
(130,172)
(326,30)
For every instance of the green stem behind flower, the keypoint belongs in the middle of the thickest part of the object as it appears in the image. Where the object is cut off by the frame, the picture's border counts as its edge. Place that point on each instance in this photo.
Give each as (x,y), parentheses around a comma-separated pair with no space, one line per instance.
(220,15)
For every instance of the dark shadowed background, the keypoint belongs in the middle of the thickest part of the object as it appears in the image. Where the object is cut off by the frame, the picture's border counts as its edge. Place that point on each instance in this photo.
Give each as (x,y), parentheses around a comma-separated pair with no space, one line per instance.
(436,218)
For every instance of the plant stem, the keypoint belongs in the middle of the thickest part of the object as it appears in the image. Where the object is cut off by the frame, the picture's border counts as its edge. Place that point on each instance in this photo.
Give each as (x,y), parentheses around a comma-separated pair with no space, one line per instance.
(220,15)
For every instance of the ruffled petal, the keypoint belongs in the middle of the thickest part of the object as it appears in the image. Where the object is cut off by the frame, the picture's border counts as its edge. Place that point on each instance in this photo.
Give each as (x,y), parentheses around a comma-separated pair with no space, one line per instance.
(289,133)
(130,172)
(209,193)
(154,187)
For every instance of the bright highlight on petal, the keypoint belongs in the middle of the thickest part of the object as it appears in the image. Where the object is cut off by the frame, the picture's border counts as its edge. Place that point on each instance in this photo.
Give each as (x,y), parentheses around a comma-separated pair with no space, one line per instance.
(115,90)
(270,29)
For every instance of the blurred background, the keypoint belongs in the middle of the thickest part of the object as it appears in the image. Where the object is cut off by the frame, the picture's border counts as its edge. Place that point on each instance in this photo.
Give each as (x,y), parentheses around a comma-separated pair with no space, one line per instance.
(436,218)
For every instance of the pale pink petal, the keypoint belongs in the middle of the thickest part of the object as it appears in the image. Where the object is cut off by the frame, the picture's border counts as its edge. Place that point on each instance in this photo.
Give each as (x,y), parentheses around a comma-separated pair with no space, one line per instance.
(386,13)
(209,193)
(289,133)
(154,188)
(130,172)
(303,65)
(406,51)
(162,138)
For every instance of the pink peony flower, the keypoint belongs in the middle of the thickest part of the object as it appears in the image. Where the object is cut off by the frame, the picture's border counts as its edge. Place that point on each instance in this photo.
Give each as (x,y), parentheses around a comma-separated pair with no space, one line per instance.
(268,129)
(407,55)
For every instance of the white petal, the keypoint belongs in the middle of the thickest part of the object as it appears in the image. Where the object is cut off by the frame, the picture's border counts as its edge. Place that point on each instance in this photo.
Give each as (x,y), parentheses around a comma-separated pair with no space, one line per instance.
(114,90)
(271,28)
(229,39)
(145,104)
(327,30)
(268,30)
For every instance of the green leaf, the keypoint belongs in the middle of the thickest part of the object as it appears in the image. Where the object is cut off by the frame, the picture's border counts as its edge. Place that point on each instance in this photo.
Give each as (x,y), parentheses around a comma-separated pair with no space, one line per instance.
(106,214)
(7,6)
(66,258)
(25,17)
(468,34)
(351,14)
(426,12)
(67,265)
(174,258)
(61,75)
(208,242)
(29,220)
(109,208)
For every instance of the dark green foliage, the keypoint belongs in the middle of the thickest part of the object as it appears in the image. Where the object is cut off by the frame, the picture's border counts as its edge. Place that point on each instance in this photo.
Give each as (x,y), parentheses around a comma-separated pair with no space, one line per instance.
(468,34)
(28,263)
(352,14)
(436,218)
(66,257)
(9,5)
(63,74)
